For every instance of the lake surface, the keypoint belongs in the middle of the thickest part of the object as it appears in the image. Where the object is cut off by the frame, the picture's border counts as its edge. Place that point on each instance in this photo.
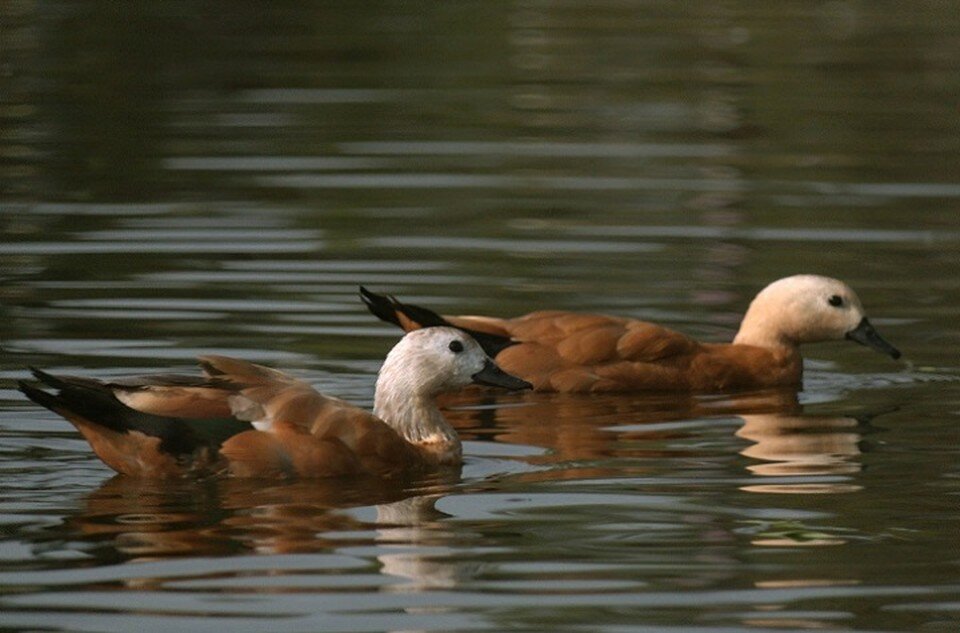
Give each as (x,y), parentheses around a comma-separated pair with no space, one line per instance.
(179,178)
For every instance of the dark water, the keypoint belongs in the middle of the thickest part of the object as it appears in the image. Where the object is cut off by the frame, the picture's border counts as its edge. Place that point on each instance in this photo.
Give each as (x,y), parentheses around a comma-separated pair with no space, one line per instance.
(179,178)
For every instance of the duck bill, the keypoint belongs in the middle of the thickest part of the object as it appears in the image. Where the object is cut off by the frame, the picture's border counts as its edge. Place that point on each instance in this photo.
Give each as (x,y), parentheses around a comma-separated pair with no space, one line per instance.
(492,376)
(866,335)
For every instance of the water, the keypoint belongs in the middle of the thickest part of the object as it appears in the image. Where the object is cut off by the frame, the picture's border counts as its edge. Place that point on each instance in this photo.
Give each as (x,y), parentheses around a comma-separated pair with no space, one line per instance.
(178,179)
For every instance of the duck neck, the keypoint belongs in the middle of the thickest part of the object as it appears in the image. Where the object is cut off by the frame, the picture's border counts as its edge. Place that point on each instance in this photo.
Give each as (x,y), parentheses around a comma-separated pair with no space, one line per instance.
(762,337)
(761,328)
(417,418)
(782,364)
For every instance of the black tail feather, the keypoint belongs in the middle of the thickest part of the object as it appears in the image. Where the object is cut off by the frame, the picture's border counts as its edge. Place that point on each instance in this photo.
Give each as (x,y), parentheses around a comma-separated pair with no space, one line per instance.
(39,396)
(380,306)
(48,379)
(96,403)
(84,398)
(385,308)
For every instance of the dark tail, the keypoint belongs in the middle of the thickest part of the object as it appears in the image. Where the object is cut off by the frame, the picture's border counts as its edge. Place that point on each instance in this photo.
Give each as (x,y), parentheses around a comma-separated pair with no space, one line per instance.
(84,398)
(95,403)
(388,308)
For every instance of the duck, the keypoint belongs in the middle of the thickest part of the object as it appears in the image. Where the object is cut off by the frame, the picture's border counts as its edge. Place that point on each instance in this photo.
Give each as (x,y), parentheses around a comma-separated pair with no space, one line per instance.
(558,351)
(241,419)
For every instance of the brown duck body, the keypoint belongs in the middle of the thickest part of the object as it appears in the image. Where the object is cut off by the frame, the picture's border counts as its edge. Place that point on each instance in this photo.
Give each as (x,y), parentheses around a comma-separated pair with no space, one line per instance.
(247,420)
(158,427)
(576,352)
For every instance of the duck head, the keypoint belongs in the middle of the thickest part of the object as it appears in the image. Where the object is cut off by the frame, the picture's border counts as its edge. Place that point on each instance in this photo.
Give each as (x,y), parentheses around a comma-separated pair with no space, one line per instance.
(809,309)
(424,364)
(434,360)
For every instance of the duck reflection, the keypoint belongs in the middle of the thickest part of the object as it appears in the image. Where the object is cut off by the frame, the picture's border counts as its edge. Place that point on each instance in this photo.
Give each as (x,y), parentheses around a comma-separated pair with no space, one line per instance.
(415,546)
(135,520)
(586,437)
(785,441)
(802,446)
(145,520)
(594,427)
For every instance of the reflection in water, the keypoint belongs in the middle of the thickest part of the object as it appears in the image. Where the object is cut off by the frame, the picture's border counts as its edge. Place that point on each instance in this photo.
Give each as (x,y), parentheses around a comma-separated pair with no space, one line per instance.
(591,426)
(629,435)
(144,519)
(414,546)
(499,536)
(792,534)
(799,446)
(807,453)
(147,519)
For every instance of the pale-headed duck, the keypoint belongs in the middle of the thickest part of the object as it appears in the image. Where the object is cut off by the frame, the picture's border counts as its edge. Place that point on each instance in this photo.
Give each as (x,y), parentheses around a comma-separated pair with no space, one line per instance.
(247,420)
(576,352)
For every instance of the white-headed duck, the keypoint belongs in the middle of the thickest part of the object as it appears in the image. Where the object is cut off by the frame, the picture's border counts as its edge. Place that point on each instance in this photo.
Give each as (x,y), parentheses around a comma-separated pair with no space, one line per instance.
(247,420)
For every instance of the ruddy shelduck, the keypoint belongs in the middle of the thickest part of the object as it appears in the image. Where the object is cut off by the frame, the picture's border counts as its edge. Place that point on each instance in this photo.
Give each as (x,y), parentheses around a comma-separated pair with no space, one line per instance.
(576,352)
(247,420)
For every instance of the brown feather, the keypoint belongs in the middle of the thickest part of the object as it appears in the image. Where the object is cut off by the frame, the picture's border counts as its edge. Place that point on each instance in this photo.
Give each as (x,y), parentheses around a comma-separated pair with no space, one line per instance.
(576,352)
(488,325)
(573,352)
(257,454)
(310,435)
(590,345)
(139,455)
(193,402)
(317,434)
(648,342)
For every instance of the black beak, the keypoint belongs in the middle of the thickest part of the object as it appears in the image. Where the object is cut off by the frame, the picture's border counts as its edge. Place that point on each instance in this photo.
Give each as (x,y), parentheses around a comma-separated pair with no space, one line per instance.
(492,376)
(866,335)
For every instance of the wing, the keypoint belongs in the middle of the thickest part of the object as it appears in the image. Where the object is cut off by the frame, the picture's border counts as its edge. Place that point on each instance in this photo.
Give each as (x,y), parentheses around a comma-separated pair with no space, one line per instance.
(185,396)
(302,432)
(318,433)
(566,351)
(570,351)
(130,441)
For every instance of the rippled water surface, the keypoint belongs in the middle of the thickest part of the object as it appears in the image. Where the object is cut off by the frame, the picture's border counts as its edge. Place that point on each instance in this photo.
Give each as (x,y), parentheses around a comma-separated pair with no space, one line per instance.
(179,178)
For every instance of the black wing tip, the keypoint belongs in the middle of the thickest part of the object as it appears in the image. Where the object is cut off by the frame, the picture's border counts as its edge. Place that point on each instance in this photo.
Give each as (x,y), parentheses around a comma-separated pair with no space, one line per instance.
(48,379)
(100,407)
(384,307)
(387,307)
(39,396)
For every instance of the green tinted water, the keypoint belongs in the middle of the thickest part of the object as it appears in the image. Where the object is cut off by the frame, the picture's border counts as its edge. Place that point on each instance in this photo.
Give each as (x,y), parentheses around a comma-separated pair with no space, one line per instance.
(179,179)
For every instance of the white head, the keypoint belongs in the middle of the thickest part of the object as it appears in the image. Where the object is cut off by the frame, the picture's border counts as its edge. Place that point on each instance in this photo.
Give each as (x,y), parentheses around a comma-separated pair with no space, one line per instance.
(434,360)
(808,309)
(426,363)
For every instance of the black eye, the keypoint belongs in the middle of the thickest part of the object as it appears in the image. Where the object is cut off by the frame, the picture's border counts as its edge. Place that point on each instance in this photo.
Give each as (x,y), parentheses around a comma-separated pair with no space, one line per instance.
(456,347)
(836,301)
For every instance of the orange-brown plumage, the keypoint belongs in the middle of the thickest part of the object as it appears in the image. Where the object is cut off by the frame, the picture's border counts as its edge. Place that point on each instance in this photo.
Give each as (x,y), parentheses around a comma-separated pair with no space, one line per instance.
(575,352)
(252,421)
(135,453)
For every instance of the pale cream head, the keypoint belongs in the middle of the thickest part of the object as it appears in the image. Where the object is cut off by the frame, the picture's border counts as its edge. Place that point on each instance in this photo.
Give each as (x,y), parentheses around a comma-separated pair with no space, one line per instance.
(808,309)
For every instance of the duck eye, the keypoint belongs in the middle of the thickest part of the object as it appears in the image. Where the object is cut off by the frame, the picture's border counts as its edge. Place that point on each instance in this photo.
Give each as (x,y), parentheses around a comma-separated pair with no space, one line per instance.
(836,301)
(456,347)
